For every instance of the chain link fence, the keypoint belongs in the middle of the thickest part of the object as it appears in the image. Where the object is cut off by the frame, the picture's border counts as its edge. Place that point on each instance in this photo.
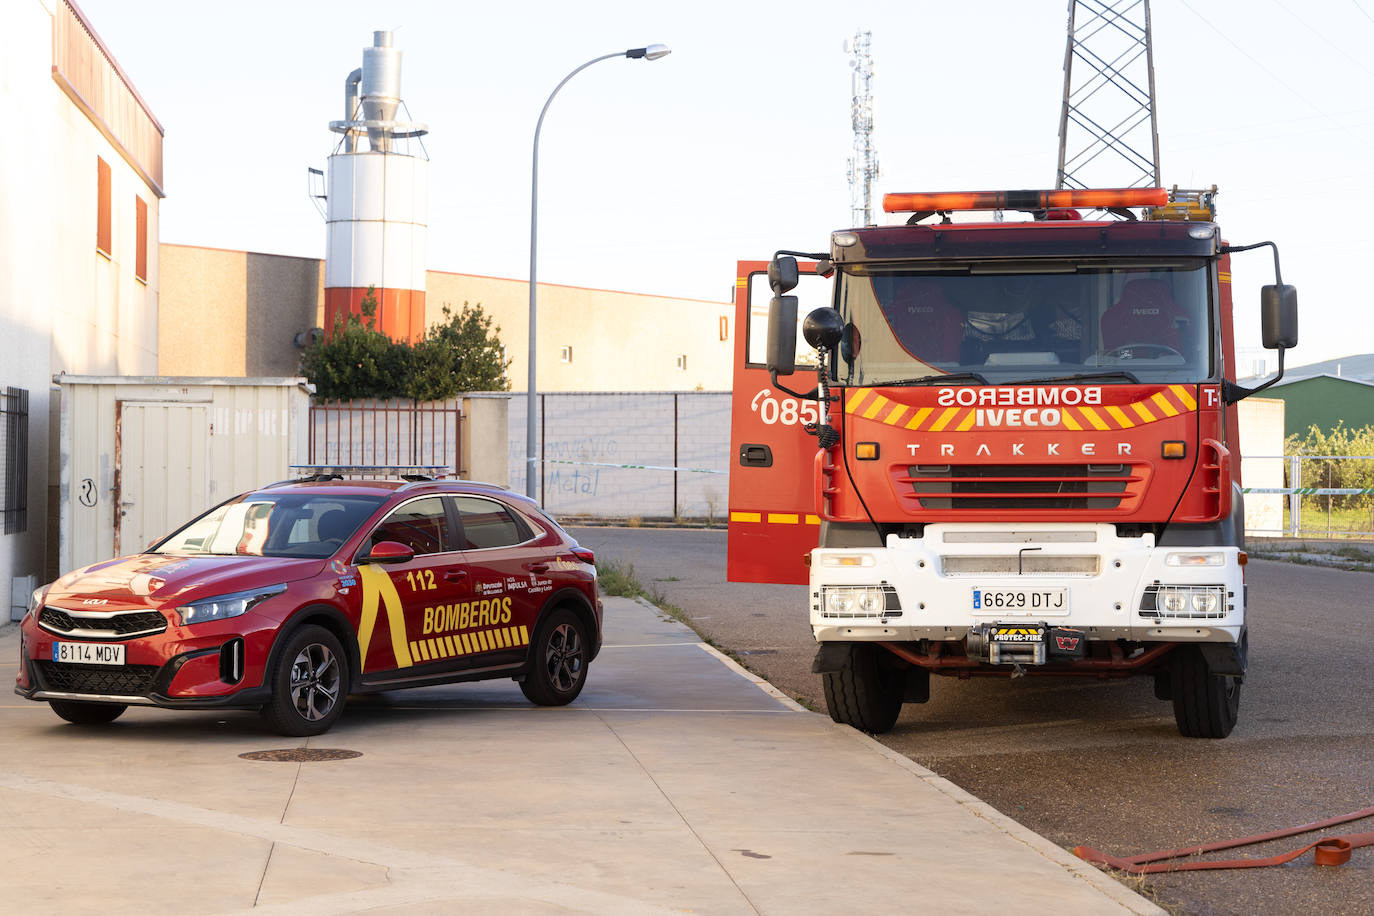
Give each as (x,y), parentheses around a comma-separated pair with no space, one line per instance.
(1324,496)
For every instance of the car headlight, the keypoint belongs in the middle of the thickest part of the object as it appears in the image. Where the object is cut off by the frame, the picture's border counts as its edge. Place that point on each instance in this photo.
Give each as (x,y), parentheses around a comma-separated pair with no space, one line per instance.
(36,600)
(222,607)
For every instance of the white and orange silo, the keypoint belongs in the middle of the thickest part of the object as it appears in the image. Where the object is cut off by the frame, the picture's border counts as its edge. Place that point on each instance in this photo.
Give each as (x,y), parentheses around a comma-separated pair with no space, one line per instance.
(376,209)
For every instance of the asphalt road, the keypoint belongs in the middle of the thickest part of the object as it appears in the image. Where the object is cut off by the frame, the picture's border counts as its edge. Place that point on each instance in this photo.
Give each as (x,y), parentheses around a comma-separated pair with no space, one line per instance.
(1100,763)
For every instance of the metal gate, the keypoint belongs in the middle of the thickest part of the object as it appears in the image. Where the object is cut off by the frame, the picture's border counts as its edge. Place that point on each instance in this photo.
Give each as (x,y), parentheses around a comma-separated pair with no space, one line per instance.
(373,432)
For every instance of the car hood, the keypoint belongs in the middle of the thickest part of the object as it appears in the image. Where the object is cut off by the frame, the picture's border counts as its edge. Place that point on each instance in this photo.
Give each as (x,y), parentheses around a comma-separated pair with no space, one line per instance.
(157,579)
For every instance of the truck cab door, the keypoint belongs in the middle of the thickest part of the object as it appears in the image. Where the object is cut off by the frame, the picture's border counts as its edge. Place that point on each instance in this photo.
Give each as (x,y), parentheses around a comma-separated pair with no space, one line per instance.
(773,522)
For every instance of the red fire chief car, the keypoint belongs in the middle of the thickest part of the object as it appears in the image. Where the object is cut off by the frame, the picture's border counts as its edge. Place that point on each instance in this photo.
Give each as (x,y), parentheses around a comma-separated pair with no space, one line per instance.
(289,598)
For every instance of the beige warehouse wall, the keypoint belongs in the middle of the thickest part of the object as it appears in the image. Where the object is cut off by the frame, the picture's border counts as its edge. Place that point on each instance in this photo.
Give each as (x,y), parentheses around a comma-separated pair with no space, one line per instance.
(202,325)
(236,313)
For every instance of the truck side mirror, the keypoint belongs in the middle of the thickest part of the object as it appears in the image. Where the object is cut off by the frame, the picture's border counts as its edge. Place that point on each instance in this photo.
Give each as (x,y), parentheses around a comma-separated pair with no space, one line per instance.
(782,274)
(782,329)
(1279,316)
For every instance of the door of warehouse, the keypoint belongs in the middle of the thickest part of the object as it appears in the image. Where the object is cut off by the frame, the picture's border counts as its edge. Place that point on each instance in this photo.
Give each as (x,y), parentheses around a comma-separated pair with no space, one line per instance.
(161,470)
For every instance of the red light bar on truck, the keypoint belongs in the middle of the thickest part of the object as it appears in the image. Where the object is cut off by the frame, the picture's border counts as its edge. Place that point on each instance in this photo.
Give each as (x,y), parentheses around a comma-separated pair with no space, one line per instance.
(1102,198)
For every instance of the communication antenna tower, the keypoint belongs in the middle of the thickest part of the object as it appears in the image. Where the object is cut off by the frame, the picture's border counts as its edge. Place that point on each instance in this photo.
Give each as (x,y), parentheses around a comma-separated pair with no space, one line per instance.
(863,165)
(1107,132)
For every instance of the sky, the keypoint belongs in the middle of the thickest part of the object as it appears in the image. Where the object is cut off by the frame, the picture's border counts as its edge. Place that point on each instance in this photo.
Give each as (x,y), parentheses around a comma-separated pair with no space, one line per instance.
(657,177)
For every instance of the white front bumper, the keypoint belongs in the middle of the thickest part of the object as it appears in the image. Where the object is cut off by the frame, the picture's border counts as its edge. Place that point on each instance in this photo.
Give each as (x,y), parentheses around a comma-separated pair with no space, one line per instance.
(1104,580)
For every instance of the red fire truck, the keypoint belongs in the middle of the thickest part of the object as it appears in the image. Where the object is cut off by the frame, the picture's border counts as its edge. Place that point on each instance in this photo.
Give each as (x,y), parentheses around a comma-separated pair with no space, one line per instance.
(1013,449)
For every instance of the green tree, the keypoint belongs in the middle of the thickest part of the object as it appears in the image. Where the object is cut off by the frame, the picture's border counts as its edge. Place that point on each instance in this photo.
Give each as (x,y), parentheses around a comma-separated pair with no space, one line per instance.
(461,353)
(1343,470)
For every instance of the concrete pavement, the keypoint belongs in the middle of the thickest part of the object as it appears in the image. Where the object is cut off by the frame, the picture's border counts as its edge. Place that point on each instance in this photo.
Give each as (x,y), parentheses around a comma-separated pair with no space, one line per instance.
(677,782)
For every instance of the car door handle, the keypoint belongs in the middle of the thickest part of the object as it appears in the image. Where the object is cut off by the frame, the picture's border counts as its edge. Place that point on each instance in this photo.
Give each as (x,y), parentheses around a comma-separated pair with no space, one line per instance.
(454,575)
(538,567)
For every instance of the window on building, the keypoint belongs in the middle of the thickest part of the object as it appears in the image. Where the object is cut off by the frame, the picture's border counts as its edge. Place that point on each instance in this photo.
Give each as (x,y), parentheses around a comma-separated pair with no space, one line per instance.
(724,327)
(103,242)
(14,459)
(566,354)
(682,361)
(140,239)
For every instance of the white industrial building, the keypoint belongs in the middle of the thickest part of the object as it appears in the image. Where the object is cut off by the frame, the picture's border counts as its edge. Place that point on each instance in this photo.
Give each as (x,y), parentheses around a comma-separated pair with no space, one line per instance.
(80,183)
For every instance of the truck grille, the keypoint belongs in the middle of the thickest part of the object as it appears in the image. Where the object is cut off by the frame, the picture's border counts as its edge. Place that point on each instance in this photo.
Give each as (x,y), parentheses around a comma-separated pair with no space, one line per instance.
(103,626)
(107,680)
(1020,486)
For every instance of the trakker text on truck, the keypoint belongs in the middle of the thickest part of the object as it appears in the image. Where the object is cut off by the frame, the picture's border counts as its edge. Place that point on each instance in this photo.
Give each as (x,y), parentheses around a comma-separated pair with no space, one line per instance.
(1020,454)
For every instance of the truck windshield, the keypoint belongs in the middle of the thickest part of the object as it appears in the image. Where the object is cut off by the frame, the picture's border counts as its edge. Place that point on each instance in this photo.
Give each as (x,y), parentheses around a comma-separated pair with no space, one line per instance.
(1136,322)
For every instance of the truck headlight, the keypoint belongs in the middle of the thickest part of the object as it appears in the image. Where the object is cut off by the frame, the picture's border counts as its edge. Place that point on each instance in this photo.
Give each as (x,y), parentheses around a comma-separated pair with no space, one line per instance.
(860,601)
(1201,558)
(222,607)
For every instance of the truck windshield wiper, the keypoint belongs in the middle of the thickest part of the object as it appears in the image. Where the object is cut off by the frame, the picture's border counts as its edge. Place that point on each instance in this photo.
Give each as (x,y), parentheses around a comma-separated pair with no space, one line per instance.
(1081,376)
(940,379)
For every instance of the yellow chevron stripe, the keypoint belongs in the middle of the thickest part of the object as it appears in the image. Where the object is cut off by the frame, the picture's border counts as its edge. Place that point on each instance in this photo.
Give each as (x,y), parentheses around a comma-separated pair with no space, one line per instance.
(895,416)
(1164,404)
(857,398)
(916,421)
(469,644)
(741,282)
(1069,421)
(1185,397)
(1143,412)
(1093,418)
(872,410)
(1224,277)
(1119,416)
(448,645)
(966,424)
(945,417)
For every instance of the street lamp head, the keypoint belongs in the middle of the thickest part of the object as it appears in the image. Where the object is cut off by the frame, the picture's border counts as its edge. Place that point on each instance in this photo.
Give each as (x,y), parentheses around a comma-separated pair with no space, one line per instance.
(652,52)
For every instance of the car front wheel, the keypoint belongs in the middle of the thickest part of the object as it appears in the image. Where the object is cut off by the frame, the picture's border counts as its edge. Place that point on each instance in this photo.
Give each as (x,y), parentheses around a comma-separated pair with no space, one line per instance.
(79,712)
(559,665)
(309,684)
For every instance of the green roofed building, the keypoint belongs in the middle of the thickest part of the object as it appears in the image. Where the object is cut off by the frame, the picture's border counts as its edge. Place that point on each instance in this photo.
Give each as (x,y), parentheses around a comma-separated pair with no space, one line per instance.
(1327,393)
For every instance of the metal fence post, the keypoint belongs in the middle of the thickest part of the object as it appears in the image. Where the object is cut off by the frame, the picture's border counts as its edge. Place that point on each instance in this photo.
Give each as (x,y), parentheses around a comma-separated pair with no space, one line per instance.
(1294,499)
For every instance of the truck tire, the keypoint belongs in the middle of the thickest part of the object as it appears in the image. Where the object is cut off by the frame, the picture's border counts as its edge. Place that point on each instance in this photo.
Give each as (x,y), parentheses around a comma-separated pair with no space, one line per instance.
(865,693)
(1206,705)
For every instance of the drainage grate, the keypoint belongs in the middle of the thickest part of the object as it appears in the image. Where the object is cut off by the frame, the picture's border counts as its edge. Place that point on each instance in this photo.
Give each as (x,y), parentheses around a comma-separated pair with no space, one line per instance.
(301,754)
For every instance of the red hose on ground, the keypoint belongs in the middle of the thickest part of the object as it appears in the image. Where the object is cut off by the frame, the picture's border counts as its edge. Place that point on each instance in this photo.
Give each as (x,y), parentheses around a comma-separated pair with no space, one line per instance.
(1329,851)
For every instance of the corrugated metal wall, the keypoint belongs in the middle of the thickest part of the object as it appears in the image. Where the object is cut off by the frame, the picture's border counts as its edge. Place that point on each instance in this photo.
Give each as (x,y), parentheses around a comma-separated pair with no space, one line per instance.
(140,456)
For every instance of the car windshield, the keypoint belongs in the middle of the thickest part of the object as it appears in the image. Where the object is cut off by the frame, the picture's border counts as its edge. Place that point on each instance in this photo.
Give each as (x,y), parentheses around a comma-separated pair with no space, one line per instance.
(1027,323)
(273,525)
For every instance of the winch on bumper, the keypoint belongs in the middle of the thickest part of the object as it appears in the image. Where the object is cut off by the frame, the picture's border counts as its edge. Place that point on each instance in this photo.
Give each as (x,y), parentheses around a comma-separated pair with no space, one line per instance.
(983,582)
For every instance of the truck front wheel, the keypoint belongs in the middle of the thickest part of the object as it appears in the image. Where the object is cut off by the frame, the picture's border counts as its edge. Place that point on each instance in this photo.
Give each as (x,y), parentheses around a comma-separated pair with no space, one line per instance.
(866,692)
(1206,705)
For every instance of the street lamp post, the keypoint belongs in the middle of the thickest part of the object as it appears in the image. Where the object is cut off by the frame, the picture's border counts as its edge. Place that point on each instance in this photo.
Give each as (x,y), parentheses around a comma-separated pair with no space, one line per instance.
(652,52)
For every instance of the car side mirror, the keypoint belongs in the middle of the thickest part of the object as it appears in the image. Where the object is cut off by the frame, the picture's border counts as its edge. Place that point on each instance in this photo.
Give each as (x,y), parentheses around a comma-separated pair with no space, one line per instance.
(1279,316)
(388,552)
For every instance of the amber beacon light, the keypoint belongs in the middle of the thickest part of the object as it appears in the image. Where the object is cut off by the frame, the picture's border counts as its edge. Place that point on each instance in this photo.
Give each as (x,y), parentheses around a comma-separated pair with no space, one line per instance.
(1102,198)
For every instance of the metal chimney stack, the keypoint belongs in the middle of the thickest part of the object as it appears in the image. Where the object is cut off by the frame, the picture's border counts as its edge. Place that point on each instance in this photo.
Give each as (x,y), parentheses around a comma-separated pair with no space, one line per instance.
(380,90)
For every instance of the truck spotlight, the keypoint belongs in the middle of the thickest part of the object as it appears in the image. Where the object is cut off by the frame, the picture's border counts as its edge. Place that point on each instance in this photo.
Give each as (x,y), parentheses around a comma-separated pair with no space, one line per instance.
(1175,449)
(866,451)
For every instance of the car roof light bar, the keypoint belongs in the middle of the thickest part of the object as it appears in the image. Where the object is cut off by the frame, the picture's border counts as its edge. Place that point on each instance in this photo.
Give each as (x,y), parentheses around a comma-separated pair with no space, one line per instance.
(1089,199)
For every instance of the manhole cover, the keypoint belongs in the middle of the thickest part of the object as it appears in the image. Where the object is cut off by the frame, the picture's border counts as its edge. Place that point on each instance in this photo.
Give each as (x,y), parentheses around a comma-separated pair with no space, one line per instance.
(301,754)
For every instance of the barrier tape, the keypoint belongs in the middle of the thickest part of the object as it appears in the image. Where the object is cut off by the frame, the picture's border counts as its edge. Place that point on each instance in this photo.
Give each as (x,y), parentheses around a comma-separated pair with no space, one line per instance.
(633,467)
(1310,491)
